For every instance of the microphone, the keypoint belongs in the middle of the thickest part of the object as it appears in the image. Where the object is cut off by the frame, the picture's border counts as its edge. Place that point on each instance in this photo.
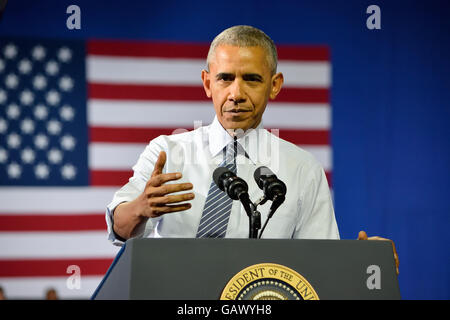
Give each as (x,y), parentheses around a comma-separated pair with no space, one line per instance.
(267,181)
(237,189)
(274,190)
(227,181)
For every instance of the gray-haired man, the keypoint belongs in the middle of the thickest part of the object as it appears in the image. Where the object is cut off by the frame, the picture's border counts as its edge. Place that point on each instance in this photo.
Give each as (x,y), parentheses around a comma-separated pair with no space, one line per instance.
(240,78)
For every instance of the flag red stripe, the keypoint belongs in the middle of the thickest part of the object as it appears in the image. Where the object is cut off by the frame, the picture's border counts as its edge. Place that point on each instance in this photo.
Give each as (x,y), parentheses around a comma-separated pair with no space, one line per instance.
(193,50)
(305,137)
(303,95)
(145,135)
(146,92)
(329,176)
(52,222)
(192,93)
(303,53)
(103,178)
(127,135)
(53,267)
(147,49)
(120,177)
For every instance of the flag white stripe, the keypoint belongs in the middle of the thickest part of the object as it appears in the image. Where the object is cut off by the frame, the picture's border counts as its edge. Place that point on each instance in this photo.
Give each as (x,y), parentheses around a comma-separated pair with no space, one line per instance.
(323,154)
(67,244)
(148,113)
(297,116)
(183,114)
(104,155)
(35,287)
(55,200)
(135,70)
(305,74)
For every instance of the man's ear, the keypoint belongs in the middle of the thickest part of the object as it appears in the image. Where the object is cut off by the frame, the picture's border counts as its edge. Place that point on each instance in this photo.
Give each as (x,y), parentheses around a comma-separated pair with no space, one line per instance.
(277,83)
(206,82)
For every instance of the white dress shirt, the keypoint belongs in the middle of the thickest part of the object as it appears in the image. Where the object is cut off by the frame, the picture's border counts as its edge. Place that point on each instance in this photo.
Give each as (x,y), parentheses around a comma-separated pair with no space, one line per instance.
(307,212)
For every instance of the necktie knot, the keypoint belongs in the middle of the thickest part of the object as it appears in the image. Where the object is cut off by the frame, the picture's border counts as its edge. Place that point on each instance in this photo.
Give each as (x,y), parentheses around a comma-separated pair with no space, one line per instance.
(230,152)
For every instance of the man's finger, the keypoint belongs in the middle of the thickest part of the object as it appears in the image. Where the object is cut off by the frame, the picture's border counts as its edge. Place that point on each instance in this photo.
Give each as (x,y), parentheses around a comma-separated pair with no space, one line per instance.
(377,238)
(170,188)
(162,201)
(362,235)
(160,163)
(159,211)
(160,179)
(397,260)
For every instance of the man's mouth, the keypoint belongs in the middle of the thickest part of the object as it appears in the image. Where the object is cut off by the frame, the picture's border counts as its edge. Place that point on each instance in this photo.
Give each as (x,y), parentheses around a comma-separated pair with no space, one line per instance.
(237,110)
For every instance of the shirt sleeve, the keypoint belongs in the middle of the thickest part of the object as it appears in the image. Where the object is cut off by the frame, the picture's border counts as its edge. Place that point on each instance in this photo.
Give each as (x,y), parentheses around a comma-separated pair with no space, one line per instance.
(317,219)
(135,186)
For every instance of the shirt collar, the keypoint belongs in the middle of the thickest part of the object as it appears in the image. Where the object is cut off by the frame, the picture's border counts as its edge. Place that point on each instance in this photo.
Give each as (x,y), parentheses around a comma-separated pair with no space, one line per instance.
(219,138)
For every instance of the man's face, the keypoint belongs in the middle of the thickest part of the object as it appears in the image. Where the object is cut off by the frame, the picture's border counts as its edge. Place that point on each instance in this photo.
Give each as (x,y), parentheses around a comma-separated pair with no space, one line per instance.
(240,83)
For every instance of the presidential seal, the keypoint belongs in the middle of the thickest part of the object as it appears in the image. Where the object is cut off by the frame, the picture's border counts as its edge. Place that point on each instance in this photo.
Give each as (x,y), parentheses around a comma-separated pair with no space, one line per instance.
(268,281)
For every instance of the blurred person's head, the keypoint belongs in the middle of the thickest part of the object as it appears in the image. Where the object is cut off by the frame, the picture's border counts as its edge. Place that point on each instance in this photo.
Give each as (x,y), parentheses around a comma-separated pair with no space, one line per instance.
(2,294)
(51,294)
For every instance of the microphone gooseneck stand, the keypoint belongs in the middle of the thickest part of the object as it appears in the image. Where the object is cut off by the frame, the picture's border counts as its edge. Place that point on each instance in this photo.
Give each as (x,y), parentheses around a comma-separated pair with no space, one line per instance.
(253,215)
(277,201)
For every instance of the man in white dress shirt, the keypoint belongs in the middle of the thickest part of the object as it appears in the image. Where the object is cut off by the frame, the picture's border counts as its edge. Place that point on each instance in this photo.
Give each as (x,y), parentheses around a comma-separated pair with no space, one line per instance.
(167,193)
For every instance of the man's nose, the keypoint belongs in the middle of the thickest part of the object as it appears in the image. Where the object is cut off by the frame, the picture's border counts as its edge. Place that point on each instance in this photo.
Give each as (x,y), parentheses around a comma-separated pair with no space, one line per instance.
(237,94)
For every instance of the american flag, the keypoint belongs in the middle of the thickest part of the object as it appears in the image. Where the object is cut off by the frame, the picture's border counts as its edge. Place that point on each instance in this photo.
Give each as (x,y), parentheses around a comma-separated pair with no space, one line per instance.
(74,117)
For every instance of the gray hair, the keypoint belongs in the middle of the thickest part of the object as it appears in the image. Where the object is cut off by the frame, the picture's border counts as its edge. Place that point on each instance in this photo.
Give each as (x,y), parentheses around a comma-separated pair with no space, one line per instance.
(246,36)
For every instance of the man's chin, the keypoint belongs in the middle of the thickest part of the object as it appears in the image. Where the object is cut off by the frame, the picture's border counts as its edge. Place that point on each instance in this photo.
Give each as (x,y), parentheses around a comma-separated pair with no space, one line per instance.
(236,125)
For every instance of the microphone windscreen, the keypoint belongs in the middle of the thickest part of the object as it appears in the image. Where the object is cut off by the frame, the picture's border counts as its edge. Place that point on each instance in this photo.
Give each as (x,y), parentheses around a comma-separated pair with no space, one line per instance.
(217,174)
(262,171)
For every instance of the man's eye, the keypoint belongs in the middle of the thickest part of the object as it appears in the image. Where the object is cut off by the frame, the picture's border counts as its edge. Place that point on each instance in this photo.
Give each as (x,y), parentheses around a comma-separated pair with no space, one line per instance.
(253,79)
(226,78)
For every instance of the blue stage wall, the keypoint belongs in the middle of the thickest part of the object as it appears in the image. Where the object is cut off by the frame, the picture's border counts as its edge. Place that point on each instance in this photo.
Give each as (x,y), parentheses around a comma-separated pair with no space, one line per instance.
(390,102)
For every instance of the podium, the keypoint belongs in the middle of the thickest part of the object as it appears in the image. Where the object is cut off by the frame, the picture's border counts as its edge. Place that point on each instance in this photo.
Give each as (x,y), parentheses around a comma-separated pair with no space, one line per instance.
(210,269)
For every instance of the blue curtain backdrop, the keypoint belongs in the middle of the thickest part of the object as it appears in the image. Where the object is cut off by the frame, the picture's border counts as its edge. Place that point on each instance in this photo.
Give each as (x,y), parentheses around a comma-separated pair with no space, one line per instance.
(390,99)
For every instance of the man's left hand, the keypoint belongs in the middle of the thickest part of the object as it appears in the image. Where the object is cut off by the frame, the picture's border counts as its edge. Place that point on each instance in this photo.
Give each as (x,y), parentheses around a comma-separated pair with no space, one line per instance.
(363,236)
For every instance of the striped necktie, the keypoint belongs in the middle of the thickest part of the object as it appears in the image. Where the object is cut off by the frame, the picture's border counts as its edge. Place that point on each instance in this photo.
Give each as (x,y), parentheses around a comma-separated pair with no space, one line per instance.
(216,212)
